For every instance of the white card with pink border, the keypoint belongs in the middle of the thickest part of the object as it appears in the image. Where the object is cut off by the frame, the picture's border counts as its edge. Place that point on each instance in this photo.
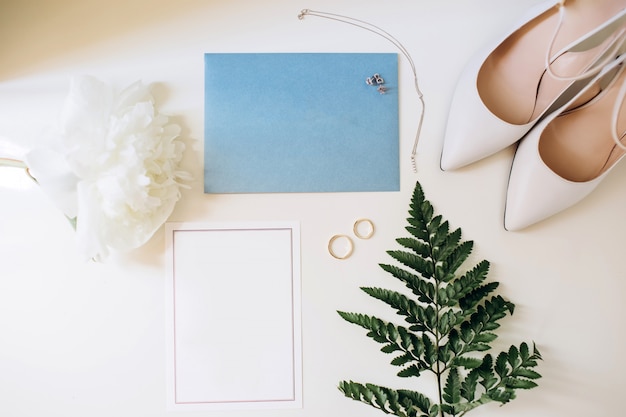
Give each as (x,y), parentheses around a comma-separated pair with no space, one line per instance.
(233,316)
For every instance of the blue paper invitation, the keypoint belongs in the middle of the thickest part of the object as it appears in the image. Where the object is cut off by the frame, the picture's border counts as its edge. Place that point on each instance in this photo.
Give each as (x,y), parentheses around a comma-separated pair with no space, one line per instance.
(301,122)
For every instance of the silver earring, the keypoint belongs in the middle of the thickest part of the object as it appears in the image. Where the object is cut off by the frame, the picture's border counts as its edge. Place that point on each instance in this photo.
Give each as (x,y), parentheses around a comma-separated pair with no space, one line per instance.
(378,81)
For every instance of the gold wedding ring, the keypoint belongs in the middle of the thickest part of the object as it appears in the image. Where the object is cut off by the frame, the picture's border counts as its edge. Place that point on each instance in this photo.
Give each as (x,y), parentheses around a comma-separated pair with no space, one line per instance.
(335,241)
(359,227)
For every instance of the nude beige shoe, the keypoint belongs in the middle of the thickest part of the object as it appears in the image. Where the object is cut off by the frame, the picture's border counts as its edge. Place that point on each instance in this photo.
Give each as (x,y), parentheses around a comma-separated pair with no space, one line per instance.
(508,87)
(568,154)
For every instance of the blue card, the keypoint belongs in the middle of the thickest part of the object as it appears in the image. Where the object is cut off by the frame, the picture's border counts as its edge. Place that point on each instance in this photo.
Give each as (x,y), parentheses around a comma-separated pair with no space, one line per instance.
(301,122)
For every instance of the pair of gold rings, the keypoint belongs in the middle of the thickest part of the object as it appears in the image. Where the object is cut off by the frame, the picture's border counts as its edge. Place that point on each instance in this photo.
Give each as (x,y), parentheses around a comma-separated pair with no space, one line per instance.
(341,246)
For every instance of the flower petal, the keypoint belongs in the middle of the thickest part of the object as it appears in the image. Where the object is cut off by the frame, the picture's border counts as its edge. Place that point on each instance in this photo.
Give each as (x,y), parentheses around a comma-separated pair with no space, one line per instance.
(119,168)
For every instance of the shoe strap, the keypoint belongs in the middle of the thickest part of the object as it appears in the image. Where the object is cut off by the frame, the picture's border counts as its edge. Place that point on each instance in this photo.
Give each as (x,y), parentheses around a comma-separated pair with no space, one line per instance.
(617,46)
(617,107)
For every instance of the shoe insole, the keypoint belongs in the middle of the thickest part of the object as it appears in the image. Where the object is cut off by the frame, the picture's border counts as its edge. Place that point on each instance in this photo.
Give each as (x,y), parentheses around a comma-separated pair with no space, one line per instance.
(578,145)
(513,82)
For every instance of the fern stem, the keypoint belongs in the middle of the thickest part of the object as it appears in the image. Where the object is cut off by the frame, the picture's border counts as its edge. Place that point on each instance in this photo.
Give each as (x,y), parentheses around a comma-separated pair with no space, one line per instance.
(439,371)
(439,389)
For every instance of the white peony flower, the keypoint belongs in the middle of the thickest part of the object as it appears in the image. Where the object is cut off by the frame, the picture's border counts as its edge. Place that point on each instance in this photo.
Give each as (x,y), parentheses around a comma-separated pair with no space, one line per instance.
(116,170)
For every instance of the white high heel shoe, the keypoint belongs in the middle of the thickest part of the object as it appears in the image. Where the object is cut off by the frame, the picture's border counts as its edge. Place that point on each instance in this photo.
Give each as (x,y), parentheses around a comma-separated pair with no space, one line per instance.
(505,89)
(566,155)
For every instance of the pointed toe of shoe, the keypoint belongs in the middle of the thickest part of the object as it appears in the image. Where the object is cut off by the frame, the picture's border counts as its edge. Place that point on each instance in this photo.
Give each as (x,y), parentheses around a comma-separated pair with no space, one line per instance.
(535,192)
(532,189)
(473,132)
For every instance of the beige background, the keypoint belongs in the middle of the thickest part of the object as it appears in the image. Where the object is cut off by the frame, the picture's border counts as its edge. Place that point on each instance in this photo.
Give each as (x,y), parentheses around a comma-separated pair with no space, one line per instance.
(88,339)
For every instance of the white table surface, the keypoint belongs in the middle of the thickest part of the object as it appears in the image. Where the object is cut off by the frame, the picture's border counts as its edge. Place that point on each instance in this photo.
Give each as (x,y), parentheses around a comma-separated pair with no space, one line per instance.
(88,339)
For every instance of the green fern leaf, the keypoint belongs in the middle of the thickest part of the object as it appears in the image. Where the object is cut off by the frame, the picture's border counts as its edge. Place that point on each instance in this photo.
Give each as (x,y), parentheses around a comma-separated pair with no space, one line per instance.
(477,347)
(392,332)
(430,351)
(408,340)
(390,348)
(466,362)
(498,307)
(455,252)
(476,295)
(415,262)
(424,290)
(419,204)
(449,409)
(488,381)
(414,401)
(518,383)
(410,371)
(395,338)
(487,377)
(469,384)
(402,359)
(351,389)
(485,337)
(444,249)
(398,402)
(464,285)
(441,233)
(454,342)
(501,395)
(441,275)
(380,396)
(417,246)
(444,355)
(426,210)
(514,358)
(393,400)
(444,325)
(514,367)
(502,365)
(376,326)
(434,410)
(466,332)
(433,225)
(452,317)
(413,312)
(528,359)
(486,317)
(524,352)
(452,388)
(418,230)
(526,373)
